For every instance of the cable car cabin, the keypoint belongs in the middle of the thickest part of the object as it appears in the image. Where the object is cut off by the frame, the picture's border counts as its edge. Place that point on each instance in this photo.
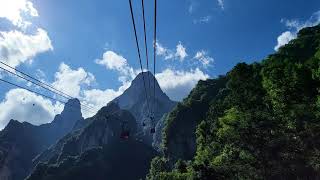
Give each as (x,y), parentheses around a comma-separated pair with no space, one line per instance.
(152,130)
(125,135)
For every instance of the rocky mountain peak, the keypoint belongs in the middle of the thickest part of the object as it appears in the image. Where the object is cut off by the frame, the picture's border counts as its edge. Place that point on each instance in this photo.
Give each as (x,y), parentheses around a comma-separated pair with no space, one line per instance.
(72,106)
(134,100)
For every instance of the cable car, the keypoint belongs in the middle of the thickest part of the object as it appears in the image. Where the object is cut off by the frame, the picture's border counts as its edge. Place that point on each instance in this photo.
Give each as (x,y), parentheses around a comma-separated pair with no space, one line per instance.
(125,135)
(125,132)
(153,129)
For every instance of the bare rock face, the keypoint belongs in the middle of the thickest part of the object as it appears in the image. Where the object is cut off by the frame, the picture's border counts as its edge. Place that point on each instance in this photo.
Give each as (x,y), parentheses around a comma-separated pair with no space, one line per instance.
(139,103)
(102,129)
(96,150)
(21,142)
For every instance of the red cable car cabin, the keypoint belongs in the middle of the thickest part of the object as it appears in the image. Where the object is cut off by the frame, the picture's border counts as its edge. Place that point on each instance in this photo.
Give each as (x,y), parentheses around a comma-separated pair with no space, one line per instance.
(152,130)
(125,135)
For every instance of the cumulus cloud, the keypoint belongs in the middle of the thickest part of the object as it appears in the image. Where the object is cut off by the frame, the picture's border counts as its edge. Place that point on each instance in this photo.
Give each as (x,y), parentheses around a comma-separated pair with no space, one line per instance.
(284,39)
(25,106)
(77,83)
(178,84)
(98,98)
(17,47)
(70,81)
(204,58)
(114,61)
(180,52)
(163,51)
(15,10)
(294,26)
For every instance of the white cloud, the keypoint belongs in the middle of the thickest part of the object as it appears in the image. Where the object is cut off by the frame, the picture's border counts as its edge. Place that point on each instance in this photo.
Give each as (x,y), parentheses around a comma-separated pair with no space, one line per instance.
(221,4)
(98,98)
(114,61)
(17,47)
(40,75)
(18,105)
(70,81)
(202,20)
(160,50)
(163,51)
(15,10)
(178,84)
(180,53)
(204,58)
(294,26)
(284,39)
(76,82)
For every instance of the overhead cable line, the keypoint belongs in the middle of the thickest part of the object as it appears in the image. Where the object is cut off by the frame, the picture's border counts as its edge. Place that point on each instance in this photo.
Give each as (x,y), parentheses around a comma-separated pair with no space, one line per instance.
(154,54)
(40,83)
(145,42)
(45,84)
(139,55)
(35,92)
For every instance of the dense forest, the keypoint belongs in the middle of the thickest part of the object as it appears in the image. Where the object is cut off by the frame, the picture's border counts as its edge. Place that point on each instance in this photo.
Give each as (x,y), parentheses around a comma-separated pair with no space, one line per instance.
(259,121)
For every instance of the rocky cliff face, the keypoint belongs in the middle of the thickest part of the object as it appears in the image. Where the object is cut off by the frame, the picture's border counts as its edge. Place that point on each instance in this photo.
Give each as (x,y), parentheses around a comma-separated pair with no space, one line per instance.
(103,128)
(21,142)
(135,100)
(121,160)
(179,139)
(158,135)
(97,143)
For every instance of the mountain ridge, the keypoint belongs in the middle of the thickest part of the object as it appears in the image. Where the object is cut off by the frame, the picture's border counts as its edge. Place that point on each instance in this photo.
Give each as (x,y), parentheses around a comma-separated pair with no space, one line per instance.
(20,142)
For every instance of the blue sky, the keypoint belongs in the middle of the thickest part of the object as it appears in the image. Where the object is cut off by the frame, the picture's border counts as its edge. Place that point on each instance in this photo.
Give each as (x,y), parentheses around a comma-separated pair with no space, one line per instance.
(87,48)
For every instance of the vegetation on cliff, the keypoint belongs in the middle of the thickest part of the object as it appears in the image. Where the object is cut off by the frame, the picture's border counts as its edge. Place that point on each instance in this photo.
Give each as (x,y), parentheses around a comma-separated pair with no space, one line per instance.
(262,123)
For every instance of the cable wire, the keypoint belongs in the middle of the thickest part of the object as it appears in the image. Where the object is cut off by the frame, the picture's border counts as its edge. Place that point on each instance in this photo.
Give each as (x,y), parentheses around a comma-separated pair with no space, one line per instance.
(43,95)
(42,84)
(154,55)
(145,43)
(139,55)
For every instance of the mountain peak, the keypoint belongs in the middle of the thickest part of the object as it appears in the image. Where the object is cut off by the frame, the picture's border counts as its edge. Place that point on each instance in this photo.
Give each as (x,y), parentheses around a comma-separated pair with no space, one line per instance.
(72,105)
(140,99)
(68,117)
(141,88)
(12,124)
(148,79)
(145,74)
(15,123)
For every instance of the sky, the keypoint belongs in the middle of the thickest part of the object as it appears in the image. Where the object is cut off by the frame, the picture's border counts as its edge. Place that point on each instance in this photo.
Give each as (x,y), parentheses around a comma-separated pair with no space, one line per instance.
(87,48)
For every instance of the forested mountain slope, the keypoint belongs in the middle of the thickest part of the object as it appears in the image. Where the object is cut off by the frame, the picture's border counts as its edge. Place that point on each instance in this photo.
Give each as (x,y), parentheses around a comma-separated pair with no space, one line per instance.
(262,120)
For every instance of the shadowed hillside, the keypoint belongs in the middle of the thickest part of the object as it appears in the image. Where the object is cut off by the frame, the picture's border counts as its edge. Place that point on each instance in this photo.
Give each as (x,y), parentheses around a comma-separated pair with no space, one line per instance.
(21,142)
